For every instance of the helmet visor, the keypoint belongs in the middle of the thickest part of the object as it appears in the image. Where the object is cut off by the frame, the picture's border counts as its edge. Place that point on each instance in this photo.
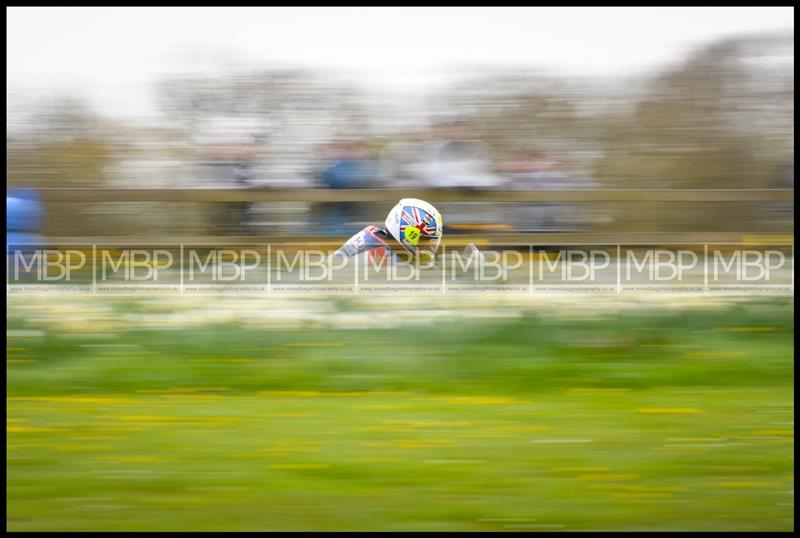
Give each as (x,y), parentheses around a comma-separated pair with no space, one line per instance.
(429,244)
(423,248)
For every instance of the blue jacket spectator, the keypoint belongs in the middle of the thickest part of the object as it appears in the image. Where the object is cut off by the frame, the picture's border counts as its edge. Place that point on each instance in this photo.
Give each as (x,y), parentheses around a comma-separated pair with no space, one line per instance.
(24,216)
(344,165)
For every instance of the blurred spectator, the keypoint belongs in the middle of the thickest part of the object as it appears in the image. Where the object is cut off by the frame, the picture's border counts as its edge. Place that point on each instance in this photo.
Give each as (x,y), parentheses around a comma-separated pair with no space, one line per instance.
(344,164)
(535,170)
(347,164)
(229,154)
(24,216)
(781,212)
(229,151)
(786,179)
(452,158)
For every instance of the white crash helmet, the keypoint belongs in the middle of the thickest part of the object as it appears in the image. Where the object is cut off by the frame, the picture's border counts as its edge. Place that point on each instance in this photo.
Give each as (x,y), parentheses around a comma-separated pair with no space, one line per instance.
(416,225)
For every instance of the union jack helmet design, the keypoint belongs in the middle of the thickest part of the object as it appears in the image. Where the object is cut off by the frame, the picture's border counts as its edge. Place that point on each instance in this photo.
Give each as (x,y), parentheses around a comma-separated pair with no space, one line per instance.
(416,225)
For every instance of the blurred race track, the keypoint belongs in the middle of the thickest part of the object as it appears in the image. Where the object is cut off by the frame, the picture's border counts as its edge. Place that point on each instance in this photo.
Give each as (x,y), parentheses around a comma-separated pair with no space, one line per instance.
(437,412)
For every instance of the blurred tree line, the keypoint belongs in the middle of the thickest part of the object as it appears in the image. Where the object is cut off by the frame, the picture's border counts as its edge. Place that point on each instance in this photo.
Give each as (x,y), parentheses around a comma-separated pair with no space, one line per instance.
(722,118)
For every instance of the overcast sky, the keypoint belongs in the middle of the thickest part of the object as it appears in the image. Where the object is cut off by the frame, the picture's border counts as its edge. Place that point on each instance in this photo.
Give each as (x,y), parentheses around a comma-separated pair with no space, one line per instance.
(112,55)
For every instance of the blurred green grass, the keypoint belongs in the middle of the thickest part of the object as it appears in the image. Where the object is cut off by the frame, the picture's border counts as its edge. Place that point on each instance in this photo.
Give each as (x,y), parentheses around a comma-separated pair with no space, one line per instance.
(653,420)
